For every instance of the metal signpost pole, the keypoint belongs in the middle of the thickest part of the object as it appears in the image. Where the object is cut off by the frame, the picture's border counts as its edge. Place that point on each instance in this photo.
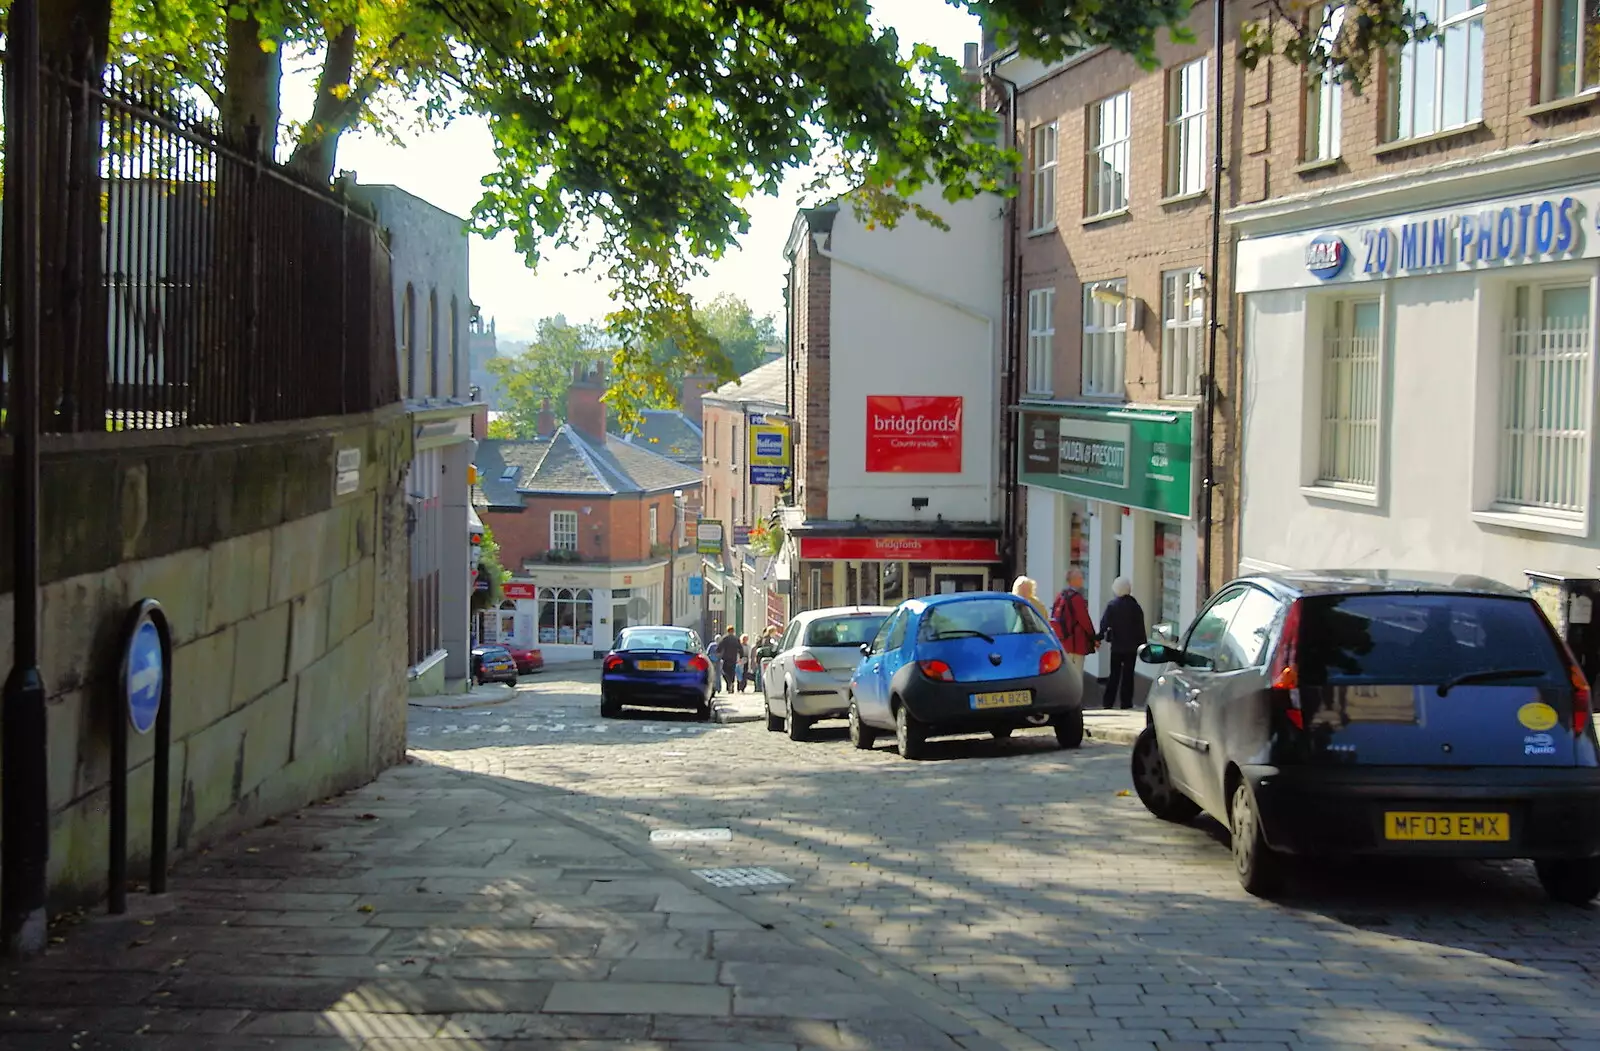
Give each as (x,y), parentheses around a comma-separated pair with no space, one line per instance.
(24,817)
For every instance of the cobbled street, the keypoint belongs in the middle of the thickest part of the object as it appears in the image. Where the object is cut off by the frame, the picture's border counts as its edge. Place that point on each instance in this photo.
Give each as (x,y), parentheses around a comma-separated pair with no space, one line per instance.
(1025,882)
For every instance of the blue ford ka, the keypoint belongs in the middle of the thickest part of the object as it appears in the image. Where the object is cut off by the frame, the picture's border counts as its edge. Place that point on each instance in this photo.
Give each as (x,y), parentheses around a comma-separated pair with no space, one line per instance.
(656,667)
(974,662)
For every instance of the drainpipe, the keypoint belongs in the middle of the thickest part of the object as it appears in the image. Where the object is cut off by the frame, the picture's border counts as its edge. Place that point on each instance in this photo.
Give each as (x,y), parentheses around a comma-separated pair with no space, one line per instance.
(1208,482)
(1011,354)
(25,813)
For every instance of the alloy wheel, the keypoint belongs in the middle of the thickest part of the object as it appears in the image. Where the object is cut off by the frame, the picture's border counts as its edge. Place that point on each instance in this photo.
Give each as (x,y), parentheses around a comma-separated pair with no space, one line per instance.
(1153,782)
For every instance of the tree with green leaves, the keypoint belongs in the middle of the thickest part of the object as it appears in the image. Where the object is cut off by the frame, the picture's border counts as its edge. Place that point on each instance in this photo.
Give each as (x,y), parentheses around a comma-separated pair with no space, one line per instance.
(542,373)
(651,123)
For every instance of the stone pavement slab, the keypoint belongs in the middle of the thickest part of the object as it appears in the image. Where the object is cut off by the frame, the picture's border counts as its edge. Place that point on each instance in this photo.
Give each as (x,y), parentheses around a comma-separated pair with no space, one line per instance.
(436,909)
(747,707)
(1114,726)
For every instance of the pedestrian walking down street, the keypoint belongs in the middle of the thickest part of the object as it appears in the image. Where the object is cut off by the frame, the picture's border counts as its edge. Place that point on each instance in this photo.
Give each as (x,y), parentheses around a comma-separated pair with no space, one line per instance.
(729,652)
(744,663)
(714,655)
(1073,623)
(1028,588)
(763,652)
(1122,626)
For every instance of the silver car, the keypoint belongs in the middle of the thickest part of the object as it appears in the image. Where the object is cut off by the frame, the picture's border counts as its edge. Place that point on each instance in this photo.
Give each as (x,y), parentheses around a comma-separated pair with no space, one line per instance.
(809,679)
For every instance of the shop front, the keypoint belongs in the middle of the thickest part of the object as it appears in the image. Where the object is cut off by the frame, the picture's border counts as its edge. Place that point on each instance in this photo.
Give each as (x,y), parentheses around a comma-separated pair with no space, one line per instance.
(1424,374)
(886,570)
(574,613)
(1110,492)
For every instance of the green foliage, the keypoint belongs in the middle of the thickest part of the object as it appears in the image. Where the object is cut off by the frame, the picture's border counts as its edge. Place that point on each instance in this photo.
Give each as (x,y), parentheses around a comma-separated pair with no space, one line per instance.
(543,372)
(500,427)
(497,574)
(1342,43)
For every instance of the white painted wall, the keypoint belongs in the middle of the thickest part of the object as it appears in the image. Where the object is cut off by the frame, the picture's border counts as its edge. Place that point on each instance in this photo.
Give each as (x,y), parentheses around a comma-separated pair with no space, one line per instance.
(1439,422)
(916,310)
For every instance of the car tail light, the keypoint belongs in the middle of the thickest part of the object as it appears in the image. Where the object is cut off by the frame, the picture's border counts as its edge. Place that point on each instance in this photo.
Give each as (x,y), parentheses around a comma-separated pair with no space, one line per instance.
(806,662)
(938,671)
(613,662)
(699,663)
(1049,661)
(1284,672)
(1581,696)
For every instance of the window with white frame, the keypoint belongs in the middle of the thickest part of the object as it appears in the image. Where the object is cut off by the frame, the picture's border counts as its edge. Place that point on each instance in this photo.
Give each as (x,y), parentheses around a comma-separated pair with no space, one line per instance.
(1105,336)
(1352,342)
(1571,48)
(563,530)
(655,533)
(1544,400)
(1186,128)
(1041,340)
(1044,176)
(1183,328)
(1110,133)
(1437,84)
(1324,102)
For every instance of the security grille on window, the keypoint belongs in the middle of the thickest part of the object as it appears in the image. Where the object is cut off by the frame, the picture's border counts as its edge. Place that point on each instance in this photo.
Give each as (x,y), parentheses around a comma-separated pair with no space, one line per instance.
(1106,188)
(1571,48)
(1183,327)
(1351,364)
(1186,129)
(1041,340)
(1324,109)
(1105,336)
(1044,176)
(1544,401)
(564,530)
(1437,84)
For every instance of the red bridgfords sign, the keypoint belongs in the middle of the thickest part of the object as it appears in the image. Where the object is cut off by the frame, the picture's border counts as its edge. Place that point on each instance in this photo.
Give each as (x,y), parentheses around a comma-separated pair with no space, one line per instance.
(900,548)
(913,434)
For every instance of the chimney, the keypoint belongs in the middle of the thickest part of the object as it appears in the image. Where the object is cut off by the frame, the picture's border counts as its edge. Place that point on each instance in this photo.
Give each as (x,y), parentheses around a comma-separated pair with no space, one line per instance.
(969,56)
(695,386)
(480,422)
(585,410)
(547,420)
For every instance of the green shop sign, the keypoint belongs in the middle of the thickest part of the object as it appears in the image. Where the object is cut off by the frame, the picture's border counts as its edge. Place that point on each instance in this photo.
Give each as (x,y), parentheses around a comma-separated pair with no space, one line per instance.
(1137,457)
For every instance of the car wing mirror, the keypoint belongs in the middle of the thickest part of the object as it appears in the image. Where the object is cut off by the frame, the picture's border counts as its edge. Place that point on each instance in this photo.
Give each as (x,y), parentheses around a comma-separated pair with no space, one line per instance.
(866,649)
(1158,653)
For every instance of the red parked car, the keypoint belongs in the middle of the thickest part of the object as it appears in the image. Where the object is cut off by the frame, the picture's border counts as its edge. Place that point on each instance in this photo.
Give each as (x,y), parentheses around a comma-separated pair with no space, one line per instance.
(527,660)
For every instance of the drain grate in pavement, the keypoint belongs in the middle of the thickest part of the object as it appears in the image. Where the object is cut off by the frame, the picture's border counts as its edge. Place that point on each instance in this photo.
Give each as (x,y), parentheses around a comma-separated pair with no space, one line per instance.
(743,877)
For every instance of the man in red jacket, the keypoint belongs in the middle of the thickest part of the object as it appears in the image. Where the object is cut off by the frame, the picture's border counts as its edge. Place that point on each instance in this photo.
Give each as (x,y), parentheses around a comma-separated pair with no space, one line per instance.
(1072,621)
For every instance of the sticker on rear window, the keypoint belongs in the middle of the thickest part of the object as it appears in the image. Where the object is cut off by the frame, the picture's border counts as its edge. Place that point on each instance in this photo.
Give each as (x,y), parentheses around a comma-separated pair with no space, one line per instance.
(1538,744)
(1537,716)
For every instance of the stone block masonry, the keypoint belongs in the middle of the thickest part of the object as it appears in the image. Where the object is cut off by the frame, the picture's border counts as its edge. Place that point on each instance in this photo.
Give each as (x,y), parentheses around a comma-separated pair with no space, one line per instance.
(287,603)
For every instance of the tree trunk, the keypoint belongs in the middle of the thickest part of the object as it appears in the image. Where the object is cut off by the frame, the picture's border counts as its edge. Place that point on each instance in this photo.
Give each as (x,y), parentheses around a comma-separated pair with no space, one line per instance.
(251,81)
(336,107)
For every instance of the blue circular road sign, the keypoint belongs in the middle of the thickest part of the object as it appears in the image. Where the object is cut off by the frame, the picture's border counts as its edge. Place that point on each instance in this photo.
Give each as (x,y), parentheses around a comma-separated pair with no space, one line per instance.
(144,670)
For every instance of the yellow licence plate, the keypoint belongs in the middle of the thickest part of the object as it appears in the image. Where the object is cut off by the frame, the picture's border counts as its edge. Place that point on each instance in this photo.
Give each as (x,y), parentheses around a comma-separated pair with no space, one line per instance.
(1006,699)
(655,665)
(1447,828)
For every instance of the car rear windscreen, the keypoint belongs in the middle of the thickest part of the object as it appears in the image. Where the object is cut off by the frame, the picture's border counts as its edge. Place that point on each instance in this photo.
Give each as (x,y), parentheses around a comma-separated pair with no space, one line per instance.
(677,641)
(849,630)
(988,616)
(1420,639)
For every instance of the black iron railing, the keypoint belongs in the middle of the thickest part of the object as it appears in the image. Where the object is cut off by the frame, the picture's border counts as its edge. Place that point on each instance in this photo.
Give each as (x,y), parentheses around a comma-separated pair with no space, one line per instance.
(188,281)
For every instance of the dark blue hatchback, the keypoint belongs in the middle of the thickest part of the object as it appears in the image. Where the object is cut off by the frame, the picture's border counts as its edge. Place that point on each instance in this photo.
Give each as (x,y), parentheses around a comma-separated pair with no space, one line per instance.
(656,667)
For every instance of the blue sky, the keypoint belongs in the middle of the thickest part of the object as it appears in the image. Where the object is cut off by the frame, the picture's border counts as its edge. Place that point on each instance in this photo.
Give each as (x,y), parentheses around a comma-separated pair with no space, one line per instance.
(445,168)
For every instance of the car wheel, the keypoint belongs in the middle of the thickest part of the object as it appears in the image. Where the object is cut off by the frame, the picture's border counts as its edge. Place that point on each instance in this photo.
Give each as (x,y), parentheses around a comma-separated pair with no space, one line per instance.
(1572,881)
(1069,729)
(1000,733)
(609,708)
(861,735)
(1153,782)
(799,725)
(910,736)
(1260,870)
(774,722)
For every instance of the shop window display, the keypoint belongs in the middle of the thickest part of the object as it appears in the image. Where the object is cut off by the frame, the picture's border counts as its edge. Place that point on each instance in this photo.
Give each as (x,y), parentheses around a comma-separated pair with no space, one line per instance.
(1169,573)
(566,616)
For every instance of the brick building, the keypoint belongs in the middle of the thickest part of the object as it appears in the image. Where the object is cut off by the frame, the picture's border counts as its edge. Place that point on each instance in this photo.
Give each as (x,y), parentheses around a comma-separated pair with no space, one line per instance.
(742,583)
(1109,286)
(1417,272)
(592,528)
(894,364)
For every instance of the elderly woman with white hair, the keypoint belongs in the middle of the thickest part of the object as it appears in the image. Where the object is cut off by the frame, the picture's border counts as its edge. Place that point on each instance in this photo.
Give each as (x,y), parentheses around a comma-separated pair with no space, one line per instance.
(1122,625)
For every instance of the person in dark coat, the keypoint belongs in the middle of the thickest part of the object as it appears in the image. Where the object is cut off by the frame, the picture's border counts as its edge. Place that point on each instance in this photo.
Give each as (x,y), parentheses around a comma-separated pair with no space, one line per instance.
(1122,625)
(730,651)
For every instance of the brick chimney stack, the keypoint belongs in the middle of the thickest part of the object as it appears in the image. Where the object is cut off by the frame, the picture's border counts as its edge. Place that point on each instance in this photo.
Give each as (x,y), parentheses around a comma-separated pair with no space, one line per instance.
(585,410)
(546,426)
(695,386)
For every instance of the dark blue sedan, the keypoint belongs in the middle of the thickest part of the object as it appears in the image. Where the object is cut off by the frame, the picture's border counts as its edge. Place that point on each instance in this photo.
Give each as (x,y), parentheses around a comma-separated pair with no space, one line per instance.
(656,667)
(973,662)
